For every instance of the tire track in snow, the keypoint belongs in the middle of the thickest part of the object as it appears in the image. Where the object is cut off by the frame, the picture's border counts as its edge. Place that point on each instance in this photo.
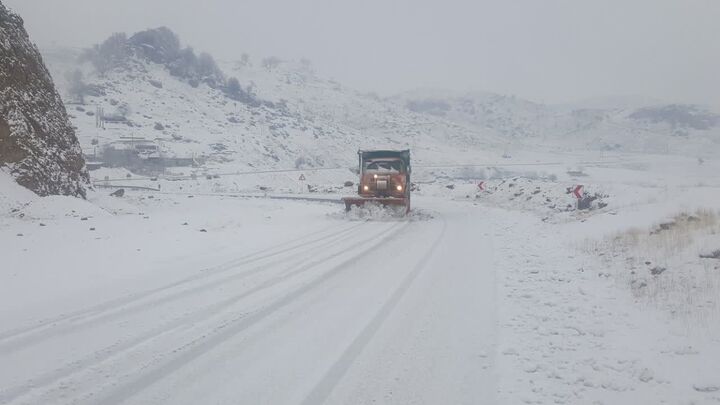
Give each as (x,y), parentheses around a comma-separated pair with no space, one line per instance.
(188,319)
(117,349)
(337,371)
(22,337)
(192,350)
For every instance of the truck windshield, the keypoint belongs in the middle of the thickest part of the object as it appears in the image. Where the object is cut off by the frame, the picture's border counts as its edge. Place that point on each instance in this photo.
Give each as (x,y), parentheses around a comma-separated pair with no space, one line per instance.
(384,166)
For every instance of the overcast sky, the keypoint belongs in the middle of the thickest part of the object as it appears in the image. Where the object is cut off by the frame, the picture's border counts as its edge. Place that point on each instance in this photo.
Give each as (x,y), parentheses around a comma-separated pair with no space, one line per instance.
(545,50)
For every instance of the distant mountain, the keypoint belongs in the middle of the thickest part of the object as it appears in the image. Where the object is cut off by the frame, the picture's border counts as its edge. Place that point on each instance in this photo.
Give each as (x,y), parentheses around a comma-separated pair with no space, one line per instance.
(678,116)
(617,102)
(273,113)
(507,116)
(37,142)
(620,123)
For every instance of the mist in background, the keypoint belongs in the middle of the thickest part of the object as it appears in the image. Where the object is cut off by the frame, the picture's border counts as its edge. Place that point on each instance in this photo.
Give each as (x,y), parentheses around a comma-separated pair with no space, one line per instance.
(547,51)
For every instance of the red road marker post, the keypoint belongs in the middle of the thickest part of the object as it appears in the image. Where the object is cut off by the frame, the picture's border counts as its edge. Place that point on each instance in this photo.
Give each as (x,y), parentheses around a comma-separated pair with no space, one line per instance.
(577,191)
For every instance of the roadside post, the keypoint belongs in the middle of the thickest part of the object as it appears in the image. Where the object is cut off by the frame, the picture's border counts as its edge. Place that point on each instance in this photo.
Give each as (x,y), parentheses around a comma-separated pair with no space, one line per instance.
(578,192)
(302,182)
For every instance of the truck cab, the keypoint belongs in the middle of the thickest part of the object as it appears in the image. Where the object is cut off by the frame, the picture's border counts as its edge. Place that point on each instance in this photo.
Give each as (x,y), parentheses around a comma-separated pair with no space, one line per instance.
(384,178)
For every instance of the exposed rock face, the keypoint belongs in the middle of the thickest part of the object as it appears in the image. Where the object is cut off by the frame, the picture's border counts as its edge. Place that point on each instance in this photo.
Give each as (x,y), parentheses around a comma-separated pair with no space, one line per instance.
(37,142)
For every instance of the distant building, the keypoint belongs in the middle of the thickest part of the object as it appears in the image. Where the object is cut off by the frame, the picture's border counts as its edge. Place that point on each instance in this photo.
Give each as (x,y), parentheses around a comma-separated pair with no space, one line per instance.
(131,152)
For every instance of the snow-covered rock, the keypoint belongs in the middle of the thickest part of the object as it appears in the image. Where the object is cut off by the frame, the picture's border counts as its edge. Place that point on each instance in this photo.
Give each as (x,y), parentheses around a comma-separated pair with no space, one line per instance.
(37,142)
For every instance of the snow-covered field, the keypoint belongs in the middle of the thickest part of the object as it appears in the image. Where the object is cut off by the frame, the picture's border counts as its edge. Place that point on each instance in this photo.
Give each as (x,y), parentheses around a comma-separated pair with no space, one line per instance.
(214,291)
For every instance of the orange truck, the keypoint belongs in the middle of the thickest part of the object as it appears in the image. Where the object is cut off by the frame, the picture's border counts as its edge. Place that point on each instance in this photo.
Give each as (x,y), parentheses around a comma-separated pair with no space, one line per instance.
(384,179)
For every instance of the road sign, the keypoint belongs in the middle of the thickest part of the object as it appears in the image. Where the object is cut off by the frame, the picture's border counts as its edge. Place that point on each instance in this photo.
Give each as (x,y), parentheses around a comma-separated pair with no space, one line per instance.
(481,185)
(578,191)
(302,177)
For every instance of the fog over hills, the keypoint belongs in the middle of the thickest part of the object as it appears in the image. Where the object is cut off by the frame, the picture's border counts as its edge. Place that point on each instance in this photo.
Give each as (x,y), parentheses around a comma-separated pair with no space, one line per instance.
(551,52)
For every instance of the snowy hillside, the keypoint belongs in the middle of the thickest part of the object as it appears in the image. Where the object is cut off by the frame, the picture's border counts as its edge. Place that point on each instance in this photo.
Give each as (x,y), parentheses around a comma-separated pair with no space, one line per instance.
(621,123)
(292,118)
(282,115)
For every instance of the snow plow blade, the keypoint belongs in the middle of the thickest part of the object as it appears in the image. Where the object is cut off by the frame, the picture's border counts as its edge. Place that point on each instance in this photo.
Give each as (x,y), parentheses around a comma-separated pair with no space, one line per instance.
(384,201)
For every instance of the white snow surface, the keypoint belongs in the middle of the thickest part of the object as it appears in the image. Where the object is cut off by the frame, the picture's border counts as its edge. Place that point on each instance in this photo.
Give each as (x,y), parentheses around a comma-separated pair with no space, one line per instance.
(215,293)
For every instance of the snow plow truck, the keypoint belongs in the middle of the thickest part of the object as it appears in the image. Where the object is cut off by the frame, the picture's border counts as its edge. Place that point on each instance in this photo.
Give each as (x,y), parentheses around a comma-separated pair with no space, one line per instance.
(384,179)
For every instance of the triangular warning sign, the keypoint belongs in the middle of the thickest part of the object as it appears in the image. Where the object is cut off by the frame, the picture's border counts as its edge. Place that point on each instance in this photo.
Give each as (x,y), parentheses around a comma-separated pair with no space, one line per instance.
(302,177)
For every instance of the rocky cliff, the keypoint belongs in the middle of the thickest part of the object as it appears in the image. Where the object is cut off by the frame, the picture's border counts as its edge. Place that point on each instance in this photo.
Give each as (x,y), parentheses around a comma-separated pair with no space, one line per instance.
(38,145)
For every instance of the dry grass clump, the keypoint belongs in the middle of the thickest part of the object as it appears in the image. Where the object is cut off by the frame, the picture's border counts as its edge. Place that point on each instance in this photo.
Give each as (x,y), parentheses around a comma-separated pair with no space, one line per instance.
(673,264)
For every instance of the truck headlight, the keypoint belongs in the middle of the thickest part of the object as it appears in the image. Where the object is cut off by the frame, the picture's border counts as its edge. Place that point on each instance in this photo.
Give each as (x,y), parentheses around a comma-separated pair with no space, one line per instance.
(366,187)
(375,176)
(399,187)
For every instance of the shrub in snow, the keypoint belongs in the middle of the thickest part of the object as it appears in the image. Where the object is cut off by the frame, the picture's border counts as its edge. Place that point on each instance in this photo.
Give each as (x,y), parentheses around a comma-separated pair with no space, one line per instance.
(657,270)
(233,86)
(209,70)
(271,62)
(158,45)
(301,162)
(245,60)
(586,202)
(110,54)
(712,255)
(235,91)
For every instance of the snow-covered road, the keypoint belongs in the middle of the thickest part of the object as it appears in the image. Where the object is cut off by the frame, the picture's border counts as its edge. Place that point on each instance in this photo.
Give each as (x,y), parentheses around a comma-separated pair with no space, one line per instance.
(227,300)
(391,311)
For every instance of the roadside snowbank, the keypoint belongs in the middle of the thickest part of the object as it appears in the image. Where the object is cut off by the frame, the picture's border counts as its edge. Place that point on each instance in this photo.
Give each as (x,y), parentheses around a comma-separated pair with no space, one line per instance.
(570,335)
(20,203)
